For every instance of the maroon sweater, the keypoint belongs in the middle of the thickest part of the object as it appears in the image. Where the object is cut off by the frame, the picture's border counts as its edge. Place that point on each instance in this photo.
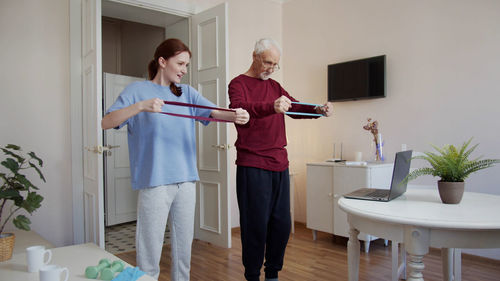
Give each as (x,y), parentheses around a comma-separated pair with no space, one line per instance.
(261,142)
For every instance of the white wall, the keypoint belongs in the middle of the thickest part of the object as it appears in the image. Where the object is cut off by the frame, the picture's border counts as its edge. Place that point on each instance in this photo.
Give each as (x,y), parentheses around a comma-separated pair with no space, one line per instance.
(442,79)
(34,106)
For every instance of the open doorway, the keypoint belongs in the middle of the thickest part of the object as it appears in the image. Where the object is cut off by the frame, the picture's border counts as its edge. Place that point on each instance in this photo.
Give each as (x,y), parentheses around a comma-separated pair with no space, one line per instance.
(208,42)
(129,38)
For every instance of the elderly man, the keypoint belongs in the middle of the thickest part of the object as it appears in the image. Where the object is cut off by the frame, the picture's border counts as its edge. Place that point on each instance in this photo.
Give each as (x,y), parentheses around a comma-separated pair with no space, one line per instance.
(262,178)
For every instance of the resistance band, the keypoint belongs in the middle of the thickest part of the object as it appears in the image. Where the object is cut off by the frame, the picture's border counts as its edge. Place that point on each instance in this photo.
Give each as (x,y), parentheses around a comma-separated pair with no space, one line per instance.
(198,106)
(226,109)
(304,113)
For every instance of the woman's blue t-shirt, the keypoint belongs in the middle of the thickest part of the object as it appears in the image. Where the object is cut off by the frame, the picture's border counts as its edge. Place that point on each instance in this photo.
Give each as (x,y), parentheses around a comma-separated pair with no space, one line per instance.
(162,148)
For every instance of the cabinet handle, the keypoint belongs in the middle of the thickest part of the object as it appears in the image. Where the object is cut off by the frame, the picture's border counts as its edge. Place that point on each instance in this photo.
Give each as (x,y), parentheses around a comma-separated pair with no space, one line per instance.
(330,194)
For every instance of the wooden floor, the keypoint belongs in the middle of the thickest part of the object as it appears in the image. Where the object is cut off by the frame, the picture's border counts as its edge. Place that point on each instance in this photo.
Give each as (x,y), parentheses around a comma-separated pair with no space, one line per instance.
(323,259)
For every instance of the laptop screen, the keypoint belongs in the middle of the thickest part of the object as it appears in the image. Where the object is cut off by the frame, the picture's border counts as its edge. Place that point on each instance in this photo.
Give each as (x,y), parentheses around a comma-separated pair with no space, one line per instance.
(401,170)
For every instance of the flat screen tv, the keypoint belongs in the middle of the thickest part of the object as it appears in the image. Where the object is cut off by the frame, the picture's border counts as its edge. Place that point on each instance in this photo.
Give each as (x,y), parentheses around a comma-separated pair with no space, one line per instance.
(357,79)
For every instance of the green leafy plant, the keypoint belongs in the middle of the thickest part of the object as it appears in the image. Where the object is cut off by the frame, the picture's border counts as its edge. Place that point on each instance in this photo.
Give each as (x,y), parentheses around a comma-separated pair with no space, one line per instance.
(16,187)
(451,164)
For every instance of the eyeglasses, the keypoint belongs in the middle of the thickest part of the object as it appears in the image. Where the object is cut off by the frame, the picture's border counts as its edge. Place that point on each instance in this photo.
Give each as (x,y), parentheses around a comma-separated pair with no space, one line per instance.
(269,64)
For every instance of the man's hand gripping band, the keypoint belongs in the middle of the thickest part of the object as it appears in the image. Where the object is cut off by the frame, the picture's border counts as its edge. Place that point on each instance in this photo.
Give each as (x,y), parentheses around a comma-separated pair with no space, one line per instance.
(305,113)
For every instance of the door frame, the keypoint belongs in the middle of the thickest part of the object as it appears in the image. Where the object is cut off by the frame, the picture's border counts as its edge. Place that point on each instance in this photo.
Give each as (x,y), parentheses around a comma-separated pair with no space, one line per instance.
(175,7)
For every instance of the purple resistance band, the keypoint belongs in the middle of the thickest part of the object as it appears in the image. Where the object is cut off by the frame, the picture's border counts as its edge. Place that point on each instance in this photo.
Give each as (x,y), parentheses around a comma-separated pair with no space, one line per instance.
(225,109)
(198,106)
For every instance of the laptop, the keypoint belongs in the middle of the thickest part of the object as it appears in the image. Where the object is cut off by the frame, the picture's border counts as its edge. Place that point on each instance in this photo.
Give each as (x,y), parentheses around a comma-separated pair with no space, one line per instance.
(398,187)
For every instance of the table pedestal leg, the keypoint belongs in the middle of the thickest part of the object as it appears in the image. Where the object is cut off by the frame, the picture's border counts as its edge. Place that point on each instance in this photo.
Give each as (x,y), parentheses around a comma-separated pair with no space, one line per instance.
(416,267)
(353,254)
(417,241)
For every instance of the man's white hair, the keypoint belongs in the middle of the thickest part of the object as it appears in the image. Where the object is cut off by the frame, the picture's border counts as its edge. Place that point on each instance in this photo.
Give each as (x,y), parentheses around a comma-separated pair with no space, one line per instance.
(265,44)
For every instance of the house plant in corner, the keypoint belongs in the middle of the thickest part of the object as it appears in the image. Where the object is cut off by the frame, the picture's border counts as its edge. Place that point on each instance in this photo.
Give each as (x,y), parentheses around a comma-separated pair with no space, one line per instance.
(453,166)
(17,193)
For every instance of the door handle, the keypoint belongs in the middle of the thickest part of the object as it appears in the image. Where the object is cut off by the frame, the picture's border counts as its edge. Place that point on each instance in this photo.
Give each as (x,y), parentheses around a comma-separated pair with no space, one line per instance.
(222,146)
(108,147)
(100,149)
(95,149)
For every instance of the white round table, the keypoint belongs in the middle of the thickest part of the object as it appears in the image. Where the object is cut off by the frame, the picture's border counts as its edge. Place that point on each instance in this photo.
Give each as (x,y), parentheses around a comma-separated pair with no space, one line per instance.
(419,220)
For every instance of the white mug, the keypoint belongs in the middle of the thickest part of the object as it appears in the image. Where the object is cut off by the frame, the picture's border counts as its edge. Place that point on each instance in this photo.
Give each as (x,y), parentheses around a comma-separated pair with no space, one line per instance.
(53,273)
(358,156)
(36,257)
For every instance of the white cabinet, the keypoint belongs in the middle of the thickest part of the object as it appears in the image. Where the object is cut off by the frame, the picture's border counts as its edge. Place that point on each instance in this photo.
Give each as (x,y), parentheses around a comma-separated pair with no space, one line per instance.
(328,181)
(319,207)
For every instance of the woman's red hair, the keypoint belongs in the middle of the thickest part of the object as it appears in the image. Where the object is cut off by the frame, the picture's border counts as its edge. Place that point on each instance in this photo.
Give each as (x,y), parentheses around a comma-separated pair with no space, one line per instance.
(167,49)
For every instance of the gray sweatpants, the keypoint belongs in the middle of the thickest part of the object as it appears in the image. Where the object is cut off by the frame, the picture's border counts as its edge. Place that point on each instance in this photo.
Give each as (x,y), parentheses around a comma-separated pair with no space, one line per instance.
(177,203)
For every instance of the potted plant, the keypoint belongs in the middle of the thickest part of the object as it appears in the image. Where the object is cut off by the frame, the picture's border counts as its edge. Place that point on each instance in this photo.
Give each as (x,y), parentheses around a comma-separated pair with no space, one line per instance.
(453,166)
(16,193)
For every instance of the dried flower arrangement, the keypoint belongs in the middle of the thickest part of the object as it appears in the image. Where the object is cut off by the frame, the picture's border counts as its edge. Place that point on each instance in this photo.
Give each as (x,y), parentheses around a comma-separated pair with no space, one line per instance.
(372,126)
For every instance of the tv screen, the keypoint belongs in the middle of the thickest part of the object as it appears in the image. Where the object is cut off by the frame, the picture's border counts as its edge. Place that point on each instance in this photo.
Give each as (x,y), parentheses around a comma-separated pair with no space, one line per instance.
(357,79)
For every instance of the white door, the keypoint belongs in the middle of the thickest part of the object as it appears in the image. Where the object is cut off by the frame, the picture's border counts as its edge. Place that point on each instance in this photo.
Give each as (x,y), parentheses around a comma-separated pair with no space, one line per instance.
(209,72)
(120,199)
(91,119)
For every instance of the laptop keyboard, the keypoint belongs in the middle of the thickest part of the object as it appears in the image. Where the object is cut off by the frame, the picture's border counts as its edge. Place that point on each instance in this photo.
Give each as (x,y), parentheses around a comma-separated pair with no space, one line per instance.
(378,193)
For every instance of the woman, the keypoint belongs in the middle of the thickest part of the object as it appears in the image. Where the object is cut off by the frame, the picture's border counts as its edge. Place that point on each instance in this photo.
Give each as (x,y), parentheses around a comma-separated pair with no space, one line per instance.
(162,152)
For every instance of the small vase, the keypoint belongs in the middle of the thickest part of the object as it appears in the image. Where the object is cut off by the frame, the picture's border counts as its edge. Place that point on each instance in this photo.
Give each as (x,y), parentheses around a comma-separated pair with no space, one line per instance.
(376,148)
(451,192)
